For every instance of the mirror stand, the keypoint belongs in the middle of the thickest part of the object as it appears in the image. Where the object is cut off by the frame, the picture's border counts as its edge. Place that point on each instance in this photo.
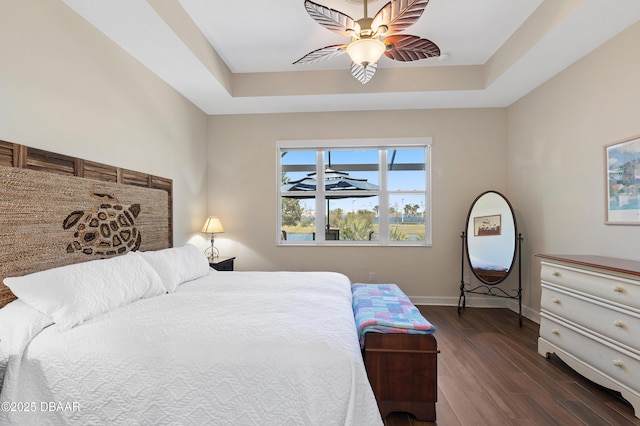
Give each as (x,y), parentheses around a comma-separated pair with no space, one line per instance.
(487,290)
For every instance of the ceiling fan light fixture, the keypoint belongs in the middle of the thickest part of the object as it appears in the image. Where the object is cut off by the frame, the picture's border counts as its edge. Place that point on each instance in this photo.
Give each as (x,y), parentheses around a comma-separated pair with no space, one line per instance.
(366,50)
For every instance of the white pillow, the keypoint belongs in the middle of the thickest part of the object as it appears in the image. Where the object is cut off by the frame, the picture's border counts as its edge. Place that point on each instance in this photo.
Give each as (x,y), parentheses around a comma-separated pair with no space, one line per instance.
(19,323)
(177,265)
(74,293)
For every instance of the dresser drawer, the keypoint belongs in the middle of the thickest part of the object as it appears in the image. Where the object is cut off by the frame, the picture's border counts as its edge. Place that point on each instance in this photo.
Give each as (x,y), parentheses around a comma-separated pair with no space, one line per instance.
(618,364)
(616,289)
(612,322)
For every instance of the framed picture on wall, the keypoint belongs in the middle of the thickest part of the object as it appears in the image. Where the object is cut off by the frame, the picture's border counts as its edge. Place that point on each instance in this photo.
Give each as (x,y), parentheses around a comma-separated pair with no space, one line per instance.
(623,182)
(484,226)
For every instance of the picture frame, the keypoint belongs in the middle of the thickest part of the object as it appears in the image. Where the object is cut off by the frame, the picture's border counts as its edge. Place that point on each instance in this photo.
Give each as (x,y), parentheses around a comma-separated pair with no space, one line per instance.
(622,182)
(486,226)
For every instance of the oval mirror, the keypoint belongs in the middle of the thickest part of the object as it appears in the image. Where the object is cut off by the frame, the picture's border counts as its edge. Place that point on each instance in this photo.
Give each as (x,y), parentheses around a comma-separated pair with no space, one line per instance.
(491,237)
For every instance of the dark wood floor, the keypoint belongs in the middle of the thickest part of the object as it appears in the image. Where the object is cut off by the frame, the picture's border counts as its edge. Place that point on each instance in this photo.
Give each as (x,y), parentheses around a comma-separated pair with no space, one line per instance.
(490,373)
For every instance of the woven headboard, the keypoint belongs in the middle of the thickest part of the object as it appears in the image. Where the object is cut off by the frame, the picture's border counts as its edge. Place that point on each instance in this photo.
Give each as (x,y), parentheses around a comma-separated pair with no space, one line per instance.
(57,210)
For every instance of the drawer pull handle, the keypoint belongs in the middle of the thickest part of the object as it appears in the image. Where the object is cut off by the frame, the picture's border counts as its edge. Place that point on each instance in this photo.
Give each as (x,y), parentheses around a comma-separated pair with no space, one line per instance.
(619,324)
(618,363)
(619,289)
(555,331)
(556,301)
(556,274)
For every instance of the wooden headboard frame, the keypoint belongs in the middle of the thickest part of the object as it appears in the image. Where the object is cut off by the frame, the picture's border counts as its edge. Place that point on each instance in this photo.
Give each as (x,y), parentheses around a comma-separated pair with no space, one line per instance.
(71,178)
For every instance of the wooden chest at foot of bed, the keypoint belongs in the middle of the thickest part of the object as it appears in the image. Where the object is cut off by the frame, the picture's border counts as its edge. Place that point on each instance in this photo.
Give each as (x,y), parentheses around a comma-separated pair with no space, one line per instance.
(402,370)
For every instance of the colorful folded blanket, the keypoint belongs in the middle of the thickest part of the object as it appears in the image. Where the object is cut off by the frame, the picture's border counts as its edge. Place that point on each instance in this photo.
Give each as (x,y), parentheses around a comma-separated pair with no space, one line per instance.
(384,308)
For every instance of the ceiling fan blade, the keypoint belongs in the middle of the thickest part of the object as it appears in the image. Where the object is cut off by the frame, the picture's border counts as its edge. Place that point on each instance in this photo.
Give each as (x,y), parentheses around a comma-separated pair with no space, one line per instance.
(408,48)
(331,19)
(397,15)
(363,74)
(322,54)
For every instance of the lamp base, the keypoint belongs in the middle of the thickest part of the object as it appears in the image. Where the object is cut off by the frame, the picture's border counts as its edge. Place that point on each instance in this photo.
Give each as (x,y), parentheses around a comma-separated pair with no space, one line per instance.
(212,253)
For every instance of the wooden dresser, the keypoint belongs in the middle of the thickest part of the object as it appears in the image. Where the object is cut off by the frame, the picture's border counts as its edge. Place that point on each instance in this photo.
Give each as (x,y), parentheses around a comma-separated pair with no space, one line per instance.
(590,318)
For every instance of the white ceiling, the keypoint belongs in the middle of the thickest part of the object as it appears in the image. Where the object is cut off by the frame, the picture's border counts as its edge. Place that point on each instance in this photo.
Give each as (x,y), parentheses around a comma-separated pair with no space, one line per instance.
(232,57)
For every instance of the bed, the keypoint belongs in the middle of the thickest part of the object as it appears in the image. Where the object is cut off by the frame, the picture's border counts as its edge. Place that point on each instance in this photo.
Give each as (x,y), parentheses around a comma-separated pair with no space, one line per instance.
(146,333)
(241,348)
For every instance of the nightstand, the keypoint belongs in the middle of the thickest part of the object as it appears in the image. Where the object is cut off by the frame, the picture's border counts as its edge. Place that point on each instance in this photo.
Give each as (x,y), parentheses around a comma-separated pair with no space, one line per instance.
(222,263)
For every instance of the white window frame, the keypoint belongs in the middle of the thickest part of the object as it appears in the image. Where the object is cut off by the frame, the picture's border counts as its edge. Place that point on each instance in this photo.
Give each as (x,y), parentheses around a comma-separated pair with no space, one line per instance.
(383,145)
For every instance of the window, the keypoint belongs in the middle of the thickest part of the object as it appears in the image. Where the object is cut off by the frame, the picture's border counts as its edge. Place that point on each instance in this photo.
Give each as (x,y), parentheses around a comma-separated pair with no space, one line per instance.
(374,192)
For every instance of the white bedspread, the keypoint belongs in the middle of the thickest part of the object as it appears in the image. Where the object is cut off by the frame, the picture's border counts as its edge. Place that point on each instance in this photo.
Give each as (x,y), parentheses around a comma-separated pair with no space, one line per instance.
(232,348)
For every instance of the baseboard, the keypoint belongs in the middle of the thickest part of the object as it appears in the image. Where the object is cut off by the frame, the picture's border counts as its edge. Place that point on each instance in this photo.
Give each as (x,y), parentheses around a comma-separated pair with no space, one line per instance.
(475,301)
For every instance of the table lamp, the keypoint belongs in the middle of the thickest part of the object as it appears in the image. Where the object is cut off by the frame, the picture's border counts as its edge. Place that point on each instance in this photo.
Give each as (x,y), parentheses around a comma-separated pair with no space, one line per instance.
(212,226)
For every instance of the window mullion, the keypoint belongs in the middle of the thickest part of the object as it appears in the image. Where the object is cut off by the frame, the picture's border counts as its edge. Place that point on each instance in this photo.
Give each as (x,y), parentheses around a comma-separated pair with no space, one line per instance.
(383,210)
(427,196)
(279,192)
(321,218)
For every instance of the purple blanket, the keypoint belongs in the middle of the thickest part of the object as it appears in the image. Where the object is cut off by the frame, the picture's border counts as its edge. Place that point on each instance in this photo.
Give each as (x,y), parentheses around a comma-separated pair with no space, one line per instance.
(384,308)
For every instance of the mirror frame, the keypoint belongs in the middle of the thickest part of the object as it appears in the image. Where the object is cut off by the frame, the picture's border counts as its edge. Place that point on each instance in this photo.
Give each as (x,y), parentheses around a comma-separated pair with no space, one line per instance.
(515,238)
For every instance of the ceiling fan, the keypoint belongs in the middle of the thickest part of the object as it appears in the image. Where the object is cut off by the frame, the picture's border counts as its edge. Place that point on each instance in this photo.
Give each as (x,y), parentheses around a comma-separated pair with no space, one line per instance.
(367,44)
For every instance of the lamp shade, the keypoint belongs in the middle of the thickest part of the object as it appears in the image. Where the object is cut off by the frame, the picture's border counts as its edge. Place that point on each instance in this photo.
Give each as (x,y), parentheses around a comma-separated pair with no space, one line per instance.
(366,50)
(212,225)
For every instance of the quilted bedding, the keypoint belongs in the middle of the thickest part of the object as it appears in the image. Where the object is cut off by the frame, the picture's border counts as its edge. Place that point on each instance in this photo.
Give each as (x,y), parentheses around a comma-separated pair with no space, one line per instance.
(384,308)
(235,348)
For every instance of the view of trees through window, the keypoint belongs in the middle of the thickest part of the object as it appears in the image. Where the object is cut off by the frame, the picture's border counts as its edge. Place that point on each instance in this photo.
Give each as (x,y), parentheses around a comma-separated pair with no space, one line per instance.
(368,195)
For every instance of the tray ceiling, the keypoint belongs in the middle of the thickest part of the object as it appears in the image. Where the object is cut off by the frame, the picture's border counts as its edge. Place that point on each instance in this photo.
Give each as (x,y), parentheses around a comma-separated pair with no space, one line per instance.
(232,57)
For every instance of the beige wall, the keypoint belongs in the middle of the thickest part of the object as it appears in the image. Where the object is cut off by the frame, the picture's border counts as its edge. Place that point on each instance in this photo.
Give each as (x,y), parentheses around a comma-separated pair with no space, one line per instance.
(556,161)
(468,157)
(66,88)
